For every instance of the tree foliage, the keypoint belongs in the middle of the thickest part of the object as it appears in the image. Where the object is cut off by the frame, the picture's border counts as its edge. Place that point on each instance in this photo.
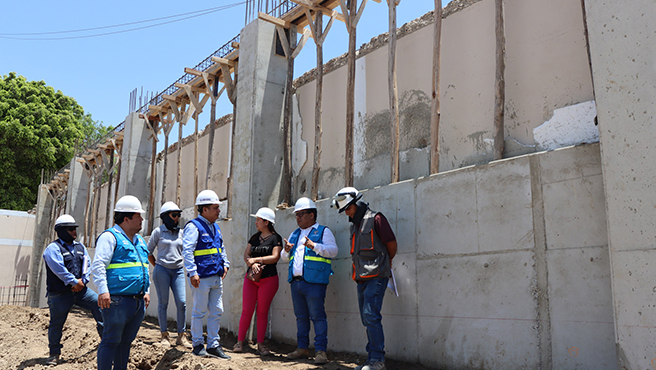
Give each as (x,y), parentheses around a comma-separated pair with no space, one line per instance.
(39,128)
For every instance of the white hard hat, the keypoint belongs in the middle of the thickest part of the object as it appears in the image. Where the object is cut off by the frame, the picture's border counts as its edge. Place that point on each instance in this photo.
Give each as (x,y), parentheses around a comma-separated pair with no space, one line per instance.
(129,204)
(345,197)
(207,197)
(169,207)
(304,203)
(65,221)
(266,214)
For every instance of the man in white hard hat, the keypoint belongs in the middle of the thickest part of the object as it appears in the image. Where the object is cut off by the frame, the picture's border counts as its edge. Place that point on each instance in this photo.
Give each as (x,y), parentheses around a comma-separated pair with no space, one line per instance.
(120,271)
(207,264)
(373,248)
(310,250)
(67,276)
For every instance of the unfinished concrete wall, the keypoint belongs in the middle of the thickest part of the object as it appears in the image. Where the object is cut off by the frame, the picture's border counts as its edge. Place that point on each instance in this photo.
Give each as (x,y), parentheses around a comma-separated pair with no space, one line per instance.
(500,266)
(622,52)
(16,240)
(547,68)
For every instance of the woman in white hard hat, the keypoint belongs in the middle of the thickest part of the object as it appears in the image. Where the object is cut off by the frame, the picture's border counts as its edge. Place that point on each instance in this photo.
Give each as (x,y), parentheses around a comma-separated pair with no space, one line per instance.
(261,281)
(169,271)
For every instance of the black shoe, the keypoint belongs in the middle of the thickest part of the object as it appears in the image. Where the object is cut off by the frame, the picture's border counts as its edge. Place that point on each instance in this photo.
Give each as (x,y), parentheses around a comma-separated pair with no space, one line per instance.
(217,352)
(199,350)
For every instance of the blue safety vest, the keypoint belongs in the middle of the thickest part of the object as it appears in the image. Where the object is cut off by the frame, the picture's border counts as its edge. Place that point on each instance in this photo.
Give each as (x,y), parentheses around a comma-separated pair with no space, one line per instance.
(209,248)
(73,261)
(316,269)
(127,272)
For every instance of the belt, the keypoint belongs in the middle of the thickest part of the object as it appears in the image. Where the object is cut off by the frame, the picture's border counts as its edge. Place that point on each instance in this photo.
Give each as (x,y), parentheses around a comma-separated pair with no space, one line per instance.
(133,296)
(297,278)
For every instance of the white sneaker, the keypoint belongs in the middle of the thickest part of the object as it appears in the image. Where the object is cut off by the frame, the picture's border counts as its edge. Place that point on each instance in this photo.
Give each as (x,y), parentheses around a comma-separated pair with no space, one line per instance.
(374,366)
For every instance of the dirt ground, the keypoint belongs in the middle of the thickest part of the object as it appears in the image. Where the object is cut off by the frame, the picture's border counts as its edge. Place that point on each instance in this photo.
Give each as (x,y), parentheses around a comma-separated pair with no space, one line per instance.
(24,345)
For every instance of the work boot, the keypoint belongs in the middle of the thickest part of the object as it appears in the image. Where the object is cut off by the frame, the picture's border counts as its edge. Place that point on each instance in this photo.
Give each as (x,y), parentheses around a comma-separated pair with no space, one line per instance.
(299,353)
(320,358)
(165,341)
(182,341)
(52,360)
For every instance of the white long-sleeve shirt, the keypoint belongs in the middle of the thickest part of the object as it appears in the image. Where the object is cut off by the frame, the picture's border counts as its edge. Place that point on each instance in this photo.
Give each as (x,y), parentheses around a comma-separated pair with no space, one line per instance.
(328,248)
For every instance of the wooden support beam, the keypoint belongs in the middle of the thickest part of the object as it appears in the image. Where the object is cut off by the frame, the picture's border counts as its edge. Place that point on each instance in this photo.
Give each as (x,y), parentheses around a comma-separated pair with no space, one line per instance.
(279,22)
(171,98)
(500,83)
(228,62)
(235,45)
(435,104)
(192,71)
(393,93)
(273,20)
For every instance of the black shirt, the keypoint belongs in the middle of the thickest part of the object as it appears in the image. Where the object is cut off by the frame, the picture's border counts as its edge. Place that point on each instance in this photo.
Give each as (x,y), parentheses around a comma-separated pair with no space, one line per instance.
(263,248)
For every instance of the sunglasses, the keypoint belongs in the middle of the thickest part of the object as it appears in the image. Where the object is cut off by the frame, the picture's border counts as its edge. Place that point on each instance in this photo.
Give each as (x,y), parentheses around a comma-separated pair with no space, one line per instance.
(174,214)
(72,228)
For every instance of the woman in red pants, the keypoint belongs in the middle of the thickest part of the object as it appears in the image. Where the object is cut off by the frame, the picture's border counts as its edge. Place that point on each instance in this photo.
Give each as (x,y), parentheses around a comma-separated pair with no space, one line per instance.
(261,280)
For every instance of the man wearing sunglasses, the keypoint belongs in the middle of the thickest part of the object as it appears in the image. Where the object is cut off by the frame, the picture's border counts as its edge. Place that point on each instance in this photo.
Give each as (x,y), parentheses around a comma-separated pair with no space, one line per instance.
(309,250)
(67,275)
(373,246)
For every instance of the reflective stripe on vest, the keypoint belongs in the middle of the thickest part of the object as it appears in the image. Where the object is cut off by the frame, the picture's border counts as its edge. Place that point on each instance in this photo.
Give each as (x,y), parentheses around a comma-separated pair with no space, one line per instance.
(203,252)
(316,269)
(320,259)
(125,265)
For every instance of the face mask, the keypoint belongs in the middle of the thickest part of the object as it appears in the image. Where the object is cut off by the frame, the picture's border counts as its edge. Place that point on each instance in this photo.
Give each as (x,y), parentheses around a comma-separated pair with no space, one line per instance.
(170,223)
(63,234)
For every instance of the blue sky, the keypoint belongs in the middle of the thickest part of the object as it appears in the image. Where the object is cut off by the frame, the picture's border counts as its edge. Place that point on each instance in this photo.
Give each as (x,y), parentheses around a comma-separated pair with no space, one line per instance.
(101,71)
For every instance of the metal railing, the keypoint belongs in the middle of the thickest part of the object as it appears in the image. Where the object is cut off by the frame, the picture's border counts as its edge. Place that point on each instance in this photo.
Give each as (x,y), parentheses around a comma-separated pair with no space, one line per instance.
(221,52)
(14,295)
(276,8)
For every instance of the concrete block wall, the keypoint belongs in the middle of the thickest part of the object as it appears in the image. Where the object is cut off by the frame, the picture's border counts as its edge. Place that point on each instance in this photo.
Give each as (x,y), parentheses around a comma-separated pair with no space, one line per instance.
(468,265)
(472,245)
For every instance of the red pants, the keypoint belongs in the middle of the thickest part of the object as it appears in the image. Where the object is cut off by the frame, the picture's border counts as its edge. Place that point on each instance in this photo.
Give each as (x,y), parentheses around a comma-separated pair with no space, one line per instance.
(261,293)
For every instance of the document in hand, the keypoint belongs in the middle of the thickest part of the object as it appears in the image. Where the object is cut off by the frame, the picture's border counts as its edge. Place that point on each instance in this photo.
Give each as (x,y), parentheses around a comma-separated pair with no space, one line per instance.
(391,285)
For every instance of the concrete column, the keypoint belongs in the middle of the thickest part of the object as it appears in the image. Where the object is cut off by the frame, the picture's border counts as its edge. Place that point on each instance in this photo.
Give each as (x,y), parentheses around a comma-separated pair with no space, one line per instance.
(135,164)
(42,233)
(77,194)
(622,37)
(258,146)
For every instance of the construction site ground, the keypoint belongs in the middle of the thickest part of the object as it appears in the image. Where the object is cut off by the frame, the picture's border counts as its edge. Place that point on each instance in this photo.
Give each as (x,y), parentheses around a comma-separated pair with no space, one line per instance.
(24,345)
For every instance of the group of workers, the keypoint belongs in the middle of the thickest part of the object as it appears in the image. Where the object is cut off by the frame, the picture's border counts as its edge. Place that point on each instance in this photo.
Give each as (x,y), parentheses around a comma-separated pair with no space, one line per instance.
(121,275)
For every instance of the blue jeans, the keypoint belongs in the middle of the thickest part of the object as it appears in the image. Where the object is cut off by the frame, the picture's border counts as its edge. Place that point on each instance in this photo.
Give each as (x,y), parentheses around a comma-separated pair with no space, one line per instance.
(207,297)
(165,278)
(60,304)
(370,300)
(308,300)
(122,321)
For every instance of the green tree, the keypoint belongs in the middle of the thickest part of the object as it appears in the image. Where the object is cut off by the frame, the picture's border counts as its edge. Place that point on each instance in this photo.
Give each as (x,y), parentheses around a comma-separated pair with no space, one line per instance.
(39,128)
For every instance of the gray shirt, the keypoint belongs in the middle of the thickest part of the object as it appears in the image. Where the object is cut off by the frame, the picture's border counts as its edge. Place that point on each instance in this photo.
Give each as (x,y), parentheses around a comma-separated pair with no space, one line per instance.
(169,247)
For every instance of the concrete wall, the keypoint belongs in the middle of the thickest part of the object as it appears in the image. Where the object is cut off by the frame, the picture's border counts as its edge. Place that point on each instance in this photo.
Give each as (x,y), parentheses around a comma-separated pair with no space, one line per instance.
(16,239)
(546,68)
(622,53)
(500,266)
(471,249)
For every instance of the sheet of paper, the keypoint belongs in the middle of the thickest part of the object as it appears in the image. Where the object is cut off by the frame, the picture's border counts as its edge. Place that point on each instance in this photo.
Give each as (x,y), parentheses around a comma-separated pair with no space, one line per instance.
(391,285)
